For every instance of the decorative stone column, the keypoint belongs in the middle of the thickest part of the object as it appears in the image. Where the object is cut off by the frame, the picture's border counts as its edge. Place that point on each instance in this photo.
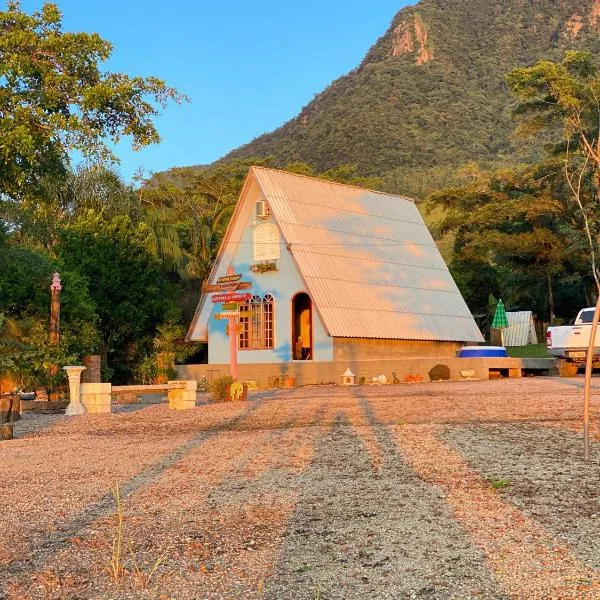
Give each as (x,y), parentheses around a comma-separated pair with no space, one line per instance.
(182,394)
(75,407)
(96,397)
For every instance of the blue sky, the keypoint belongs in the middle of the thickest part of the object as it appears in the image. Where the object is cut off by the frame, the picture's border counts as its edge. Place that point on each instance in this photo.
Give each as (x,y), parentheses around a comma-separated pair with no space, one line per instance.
(247,66)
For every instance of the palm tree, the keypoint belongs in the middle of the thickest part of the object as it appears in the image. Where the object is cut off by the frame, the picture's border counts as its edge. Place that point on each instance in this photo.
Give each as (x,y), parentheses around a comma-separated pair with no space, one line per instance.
(187,222)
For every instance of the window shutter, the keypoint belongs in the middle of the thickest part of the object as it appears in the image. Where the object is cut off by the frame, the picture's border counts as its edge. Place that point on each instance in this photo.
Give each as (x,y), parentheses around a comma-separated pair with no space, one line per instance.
(266,242)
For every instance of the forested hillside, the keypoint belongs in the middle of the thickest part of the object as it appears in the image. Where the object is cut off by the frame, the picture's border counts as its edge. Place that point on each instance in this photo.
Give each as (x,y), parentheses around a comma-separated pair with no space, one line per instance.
(505,158)
(432,113)
(430,95)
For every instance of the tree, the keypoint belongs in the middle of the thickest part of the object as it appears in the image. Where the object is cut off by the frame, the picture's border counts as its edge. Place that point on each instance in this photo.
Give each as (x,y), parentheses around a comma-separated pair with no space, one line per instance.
(561,101)
(36,220)
(510,233)
(188,214)
(568,95)
(131,292)
(25,349)
(13,353)
(349,174)
(54,98)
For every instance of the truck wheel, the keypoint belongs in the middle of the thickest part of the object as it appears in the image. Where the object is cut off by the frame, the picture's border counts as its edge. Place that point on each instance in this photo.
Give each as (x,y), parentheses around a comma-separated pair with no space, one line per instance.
(567,369)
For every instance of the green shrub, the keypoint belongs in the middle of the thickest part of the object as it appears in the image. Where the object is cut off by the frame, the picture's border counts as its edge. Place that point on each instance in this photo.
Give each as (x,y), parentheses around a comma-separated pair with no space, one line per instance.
(219,388)
(439,373)
(498,484)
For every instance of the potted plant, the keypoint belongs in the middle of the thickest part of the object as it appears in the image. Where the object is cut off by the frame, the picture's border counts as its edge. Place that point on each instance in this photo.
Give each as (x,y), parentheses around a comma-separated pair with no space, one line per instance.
(264,266)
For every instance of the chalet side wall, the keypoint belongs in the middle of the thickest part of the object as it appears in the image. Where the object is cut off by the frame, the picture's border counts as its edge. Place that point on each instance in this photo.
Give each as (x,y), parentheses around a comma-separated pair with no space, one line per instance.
(365,349)
(308,372)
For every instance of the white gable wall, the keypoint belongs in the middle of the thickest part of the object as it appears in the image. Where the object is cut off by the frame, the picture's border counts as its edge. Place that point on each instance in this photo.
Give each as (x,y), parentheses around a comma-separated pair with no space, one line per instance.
(283,285)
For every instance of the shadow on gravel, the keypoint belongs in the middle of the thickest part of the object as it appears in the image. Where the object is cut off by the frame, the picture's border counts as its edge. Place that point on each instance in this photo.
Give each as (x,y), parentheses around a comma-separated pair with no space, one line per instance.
(548,480)
(358,534)
(104,506)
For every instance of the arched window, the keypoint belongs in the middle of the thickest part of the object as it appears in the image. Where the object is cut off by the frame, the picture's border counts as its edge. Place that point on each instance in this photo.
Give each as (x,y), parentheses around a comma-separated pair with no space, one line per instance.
(257,320)
(266,242)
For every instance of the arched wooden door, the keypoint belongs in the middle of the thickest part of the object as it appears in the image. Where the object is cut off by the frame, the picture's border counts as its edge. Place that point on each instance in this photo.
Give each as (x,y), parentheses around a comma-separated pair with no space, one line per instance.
(302,324)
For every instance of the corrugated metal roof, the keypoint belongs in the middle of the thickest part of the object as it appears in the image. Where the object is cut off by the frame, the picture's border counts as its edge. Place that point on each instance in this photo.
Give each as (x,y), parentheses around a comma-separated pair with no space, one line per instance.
(520,330)
(368,260)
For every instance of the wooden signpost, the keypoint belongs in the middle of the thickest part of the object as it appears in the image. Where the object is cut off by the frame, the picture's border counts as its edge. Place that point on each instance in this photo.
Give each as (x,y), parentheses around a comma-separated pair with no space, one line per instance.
(229,279)
(231,297)
(242,285)
(224,291)
(55,289)
(226,314)
(227,286)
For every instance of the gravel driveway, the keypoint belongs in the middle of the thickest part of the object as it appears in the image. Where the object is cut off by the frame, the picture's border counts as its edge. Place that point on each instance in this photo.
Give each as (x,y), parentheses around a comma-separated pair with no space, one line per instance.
(446,490)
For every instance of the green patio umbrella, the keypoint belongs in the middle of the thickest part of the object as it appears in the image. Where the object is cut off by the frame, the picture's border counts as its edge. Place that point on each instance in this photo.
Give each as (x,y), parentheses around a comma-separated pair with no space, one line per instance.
(500,321)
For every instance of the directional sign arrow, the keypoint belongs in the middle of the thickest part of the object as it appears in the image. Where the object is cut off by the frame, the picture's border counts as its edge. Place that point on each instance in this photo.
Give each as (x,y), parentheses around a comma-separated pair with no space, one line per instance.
(229,278)
(227,287)
(226,315)
(230,297)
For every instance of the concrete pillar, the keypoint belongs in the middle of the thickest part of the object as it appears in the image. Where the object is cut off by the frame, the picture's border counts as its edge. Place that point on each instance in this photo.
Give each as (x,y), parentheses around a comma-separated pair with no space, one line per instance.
(182,394)
(515,373)
(75,407)
(96,397)
(93,364)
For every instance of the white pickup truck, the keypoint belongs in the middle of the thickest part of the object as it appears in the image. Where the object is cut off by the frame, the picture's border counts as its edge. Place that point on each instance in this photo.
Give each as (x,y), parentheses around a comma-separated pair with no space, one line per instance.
(570,342)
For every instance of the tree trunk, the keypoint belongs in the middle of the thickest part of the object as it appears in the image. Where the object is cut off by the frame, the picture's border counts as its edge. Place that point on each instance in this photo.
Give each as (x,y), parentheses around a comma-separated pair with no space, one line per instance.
(550,301)
(104,355)
(586,293)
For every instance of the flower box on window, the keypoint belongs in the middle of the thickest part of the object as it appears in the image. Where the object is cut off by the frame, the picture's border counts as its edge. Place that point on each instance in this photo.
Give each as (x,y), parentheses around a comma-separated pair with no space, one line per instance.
(264,266)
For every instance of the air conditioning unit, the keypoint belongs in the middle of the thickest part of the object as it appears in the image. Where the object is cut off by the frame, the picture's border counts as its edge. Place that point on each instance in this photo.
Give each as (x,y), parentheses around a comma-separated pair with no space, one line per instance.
(262,209)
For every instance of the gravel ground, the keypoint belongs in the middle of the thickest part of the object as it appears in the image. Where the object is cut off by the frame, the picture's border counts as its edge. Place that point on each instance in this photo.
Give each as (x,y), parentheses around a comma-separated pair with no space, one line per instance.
(546,478)
(30,424)
(324,492)
(358,534)
(527,561)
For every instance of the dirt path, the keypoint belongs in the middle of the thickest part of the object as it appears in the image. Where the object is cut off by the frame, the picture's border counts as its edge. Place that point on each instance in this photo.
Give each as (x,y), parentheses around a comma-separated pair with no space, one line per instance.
(327,493)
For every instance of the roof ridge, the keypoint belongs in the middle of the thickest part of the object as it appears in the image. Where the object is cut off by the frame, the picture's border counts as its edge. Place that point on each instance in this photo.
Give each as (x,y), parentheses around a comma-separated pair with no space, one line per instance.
(322,180)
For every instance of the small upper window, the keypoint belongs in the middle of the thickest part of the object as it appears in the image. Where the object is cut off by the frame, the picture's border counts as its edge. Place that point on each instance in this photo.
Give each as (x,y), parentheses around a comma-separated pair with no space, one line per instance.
(266,242)
(262,209)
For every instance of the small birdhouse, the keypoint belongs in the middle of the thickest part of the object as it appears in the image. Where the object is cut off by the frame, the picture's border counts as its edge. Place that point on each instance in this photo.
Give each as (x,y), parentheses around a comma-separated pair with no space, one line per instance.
(348,378)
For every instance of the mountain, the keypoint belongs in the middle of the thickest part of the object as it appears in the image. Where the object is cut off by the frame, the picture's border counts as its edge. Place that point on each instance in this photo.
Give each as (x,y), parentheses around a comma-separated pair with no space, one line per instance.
(430,96)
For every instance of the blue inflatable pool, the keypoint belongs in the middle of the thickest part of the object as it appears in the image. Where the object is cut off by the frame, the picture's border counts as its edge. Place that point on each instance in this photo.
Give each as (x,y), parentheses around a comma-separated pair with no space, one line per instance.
(482,352)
